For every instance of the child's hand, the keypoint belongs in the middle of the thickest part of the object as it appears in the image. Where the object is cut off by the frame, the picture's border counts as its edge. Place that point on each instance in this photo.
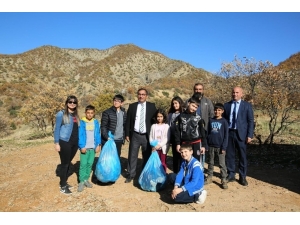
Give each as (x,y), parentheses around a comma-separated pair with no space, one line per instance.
(153,149)
(83,150)
(178,148)
(57,147)
(202,151)
(98,148)
(223,151)
(176,191)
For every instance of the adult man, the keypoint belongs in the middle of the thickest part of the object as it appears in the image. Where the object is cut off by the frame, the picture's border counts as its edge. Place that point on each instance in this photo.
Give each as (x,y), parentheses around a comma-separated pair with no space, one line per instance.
(239,115)
(114,120)
(206,109)
(138,124)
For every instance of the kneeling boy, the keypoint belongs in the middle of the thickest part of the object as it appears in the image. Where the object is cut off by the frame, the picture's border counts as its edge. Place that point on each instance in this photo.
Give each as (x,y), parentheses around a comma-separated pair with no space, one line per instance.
(189,182)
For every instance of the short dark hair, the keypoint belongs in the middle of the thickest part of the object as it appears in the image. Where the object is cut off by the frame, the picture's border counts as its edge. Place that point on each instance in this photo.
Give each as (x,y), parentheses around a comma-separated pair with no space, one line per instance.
(90,107)
(194,99)
(198,84)
(119,97)
(219,106)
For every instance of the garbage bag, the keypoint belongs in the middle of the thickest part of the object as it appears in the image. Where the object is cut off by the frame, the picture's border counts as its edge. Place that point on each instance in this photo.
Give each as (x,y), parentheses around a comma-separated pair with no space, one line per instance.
(153,176)
(108,167)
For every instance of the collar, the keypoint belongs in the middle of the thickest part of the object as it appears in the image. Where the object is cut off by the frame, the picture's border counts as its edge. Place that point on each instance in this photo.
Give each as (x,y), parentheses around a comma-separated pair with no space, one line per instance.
(86,120)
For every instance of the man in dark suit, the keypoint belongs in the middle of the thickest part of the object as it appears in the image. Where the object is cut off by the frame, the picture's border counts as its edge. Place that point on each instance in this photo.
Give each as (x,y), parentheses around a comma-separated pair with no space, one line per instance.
(239,115)
(138,124)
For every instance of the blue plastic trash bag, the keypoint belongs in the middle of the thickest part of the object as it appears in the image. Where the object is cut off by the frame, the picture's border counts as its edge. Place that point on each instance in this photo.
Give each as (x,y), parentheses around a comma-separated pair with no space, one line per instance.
(153,176)
(108,167)
(154,143)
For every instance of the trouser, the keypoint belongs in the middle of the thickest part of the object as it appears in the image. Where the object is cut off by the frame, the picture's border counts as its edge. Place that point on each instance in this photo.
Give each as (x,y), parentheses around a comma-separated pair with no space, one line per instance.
(212,153)
(118,143)
(182,197)
(86,163)
(177,159)
(137,140)
(235,144)
(67,152)
(163,159)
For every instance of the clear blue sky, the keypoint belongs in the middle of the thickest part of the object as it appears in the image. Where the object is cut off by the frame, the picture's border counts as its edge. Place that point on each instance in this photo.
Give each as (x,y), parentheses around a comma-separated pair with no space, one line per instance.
(203,39)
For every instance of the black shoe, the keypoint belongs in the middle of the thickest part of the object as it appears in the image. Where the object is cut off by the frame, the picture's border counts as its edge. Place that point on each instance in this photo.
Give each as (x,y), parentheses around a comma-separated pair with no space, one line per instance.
(65,190)
(128,179)
(243,181)
(230,179)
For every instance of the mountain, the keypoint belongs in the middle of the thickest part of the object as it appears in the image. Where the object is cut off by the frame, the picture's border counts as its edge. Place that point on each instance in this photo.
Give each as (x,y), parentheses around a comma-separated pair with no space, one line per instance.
(92,71)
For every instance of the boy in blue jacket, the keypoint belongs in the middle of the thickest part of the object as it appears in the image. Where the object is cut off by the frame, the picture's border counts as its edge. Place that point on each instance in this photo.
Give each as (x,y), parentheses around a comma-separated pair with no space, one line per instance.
(217,140)
(189,182)
(89,144)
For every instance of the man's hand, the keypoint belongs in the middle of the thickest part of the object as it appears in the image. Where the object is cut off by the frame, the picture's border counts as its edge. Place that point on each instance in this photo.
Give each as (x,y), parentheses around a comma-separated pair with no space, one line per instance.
(127,138)
(248,140)
(83,150)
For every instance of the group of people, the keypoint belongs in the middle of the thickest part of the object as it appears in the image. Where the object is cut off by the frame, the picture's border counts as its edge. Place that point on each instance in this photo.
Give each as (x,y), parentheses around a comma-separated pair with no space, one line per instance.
(194,128)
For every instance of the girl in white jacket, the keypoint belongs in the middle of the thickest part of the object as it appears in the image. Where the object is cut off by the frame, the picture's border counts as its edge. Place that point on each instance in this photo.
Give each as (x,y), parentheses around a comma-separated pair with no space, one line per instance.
(160,131)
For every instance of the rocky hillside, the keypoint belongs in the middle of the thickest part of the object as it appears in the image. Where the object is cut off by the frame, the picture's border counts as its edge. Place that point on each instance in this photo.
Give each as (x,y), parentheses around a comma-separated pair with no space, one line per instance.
(91,70)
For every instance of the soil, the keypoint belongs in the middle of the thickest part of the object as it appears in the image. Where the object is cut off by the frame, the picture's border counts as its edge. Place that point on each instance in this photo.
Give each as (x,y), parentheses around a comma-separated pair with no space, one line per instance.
(29,184)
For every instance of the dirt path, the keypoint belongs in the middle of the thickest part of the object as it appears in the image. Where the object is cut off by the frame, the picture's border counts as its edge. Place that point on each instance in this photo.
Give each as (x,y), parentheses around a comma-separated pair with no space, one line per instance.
(29,184)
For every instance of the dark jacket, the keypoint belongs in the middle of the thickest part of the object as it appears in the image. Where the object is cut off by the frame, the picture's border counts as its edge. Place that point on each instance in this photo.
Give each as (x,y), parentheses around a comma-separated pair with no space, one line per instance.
(131,115)
(189,127)
(244,121)
(109,122)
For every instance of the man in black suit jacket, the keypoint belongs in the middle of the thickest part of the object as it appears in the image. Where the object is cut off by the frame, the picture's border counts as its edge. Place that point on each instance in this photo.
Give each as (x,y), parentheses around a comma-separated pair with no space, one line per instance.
(239,115)
(138,124)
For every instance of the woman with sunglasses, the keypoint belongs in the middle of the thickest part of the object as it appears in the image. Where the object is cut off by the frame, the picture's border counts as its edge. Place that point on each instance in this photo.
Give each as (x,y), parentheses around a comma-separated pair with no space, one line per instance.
(66,139)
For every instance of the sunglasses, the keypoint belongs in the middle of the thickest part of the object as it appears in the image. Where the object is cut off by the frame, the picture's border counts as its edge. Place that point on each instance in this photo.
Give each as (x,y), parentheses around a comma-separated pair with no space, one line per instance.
(70,102)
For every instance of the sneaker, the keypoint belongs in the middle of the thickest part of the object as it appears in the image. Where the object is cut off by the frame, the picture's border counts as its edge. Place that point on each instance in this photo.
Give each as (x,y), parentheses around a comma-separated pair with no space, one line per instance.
(202,197)
(88,184)
(208,180)
(80,187)
(69,186)
(65,190)
(224,184)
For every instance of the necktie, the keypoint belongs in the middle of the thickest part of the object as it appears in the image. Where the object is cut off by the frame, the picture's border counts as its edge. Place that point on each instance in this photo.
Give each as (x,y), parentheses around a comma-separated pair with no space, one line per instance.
(234,116)
(142,119)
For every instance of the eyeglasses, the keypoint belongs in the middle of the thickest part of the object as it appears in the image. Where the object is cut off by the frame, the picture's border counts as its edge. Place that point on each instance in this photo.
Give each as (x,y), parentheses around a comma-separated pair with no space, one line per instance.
(71,102)
(117,100)
(141,94)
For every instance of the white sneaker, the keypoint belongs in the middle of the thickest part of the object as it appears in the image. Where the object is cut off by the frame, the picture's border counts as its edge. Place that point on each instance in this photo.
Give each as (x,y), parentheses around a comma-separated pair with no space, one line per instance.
(202,197)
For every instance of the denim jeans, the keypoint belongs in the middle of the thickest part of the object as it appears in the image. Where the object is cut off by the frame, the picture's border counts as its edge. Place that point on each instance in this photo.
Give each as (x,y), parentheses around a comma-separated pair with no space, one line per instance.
(212,153)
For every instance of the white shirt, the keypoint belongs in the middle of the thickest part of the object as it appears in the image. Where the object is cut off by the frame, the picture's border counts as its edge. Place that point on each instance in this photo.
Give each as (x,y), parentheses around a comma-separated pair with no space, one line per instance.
(137,118)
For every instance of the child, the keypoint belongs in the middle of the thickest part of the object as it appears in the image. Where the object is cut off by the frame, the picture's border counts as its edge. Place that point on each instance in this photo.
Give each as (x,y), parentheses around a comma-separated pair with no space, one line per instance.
(217,143)
(188,183)
(175,109)
(89,143)
(189,129)
(160,131)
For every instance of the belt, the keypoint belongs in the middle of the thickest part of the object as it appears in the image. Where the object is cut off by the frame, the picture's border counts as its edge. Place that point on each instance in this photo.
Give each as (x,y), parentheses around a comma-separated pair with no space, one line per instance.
(191,142)
(230,129)
(140,133)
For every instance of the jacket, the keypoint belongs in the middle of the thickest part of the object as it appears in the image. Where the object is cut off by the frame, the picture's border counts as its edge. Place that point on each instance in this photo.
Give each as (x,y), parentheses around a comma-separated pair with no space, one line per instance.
(190,177)
(189,127)
(62,131)
(109,122)
(244,121)
(165,137)
(82,134)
